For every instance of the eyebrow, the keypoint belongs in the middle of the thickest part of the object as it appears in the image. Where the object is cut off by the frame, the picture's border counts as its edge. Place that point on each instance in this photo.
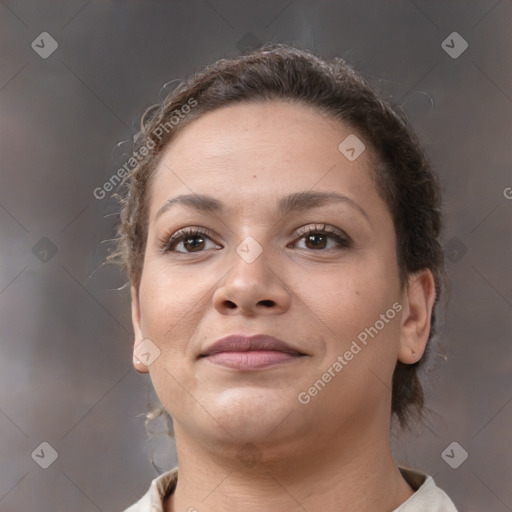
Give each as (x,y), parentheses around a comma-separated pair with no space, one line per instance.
(296,202)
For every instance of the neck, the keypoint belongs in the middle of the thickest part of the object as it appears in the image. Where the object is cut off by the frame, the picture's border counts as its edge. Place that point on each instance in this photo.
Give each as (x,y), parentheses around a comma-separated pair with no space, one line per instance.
(342,473)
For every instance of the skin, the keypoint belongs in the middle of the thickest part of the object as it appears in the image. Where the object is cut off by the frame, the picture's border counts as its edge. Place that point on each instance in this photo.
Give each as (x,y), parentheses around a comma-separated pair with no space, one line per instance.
(334,452)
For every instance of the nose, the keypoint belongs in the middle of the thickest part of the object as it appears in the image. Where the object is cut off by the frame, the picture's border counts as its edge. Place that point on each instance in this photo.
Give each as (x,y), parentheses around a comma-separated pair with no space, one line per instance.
(252,289)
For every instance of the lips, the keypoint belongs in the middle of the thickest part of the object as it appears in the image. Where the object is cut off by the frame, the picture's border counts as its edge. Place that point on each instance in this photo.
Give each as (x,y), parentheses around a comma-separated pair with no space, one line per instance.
(250,353)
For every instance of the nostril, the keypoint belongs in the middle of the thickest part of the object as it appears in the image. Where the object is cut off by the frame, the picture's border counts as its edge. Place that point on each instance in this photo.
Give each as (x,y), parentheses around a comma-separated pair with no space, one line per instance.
(267,303)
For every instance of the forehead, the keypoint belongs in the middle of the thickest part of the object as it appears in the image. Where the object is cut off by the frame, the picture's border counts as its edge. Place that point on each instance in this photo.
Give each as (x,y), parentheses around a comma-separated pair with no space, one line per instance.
(295,128)
(254,150)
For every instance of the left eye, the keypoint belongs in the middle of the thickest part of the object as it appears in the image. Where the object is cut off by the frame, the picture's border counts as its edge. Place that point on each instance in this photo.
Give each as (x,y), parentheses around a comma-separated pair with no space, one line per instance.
(317,238)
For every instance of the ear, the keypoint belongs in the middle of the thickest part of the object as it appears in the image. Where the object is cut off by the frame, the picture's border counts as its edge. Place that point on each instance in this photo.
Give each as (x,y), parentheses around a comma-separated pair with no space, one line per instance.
(418,302)
(137,329)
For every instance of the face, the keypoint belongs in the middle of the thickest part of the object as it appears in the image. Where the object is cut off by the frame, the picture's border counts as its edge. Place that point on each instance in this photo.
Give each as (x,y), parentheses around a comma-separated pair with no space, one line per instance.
(319,274)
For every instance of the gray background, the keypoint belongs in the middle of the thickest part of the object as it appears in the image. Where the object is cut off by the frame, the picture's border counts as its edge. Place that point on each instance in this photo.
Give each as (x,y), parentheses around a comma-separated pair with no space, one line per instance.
(65,360)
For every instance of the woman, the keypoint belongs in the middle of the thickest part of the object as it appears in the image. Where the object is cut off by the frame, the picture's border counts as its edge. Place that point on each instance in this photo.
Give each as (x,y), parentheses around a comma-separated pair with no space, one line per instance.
(280,229)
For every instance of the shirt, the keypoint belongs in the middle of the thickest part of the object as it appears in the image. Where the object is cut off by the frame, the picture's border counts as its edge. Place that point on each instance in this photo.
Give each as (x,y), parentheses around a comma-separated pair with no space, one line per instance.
(427,498)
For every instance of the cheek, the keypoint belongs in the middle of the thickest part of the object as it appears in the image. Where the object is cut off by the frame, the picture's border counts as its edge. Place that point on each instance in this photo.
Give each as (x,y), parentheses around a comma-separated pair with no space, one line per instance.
(170,306)
(356,304)
(363,290)
(168,303)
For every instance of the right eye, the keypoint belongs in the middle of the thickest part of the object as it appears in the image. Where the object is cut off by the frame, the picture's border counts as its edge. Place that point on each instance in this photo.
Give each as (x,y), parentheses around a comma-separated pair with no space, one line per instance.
(192,240)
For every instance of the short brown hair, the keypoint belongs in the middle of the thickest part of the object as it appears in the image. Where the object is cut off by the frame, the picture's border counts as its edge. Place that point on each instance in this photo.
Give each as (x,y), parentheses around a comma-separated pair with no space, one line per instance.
(402,173)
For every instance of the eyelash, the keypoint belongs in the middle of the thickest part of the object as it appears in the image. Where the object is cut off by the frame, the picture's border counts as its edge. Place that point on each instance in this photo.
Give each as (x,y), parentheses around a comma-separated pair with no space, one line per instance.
(168,244)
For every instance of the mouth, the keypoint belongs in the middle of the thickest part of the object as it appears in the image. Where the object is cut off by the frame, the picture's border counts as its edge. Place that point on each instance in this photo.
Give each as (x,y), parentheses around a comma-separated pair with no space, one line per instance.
(251,353)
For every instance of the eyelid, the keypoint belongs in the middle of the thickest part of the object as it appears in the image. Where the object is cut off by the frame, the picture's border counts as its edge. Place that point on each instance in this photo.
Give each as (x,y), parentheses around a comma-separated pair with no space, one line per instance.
(321,228)
(339,235)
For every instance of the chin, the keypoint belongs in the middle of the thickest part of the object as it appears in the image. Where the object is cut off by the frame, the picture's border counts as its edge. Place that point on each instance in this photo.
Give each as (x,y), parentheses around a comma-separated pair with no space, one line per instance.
(249,414)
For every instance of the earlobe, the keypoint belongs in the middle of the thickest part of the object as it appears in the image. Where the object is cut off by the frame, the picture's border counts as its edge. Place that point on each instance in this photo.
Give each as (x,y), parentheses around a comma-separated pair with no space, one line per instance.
(137,329)
(418,305)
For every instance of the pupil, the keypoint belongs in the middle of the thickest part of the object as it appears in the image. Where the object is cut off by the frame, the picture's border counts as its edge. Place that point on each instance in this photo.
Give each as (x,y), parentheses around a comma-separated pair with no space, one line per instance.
(311,237)
(187,242)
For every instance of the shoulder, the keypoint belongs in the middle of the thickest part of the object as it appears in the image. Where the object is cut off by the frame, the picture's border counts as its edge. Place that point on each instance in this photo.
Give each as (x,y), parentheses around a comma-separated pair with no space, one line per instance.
(428,497)
(160,487)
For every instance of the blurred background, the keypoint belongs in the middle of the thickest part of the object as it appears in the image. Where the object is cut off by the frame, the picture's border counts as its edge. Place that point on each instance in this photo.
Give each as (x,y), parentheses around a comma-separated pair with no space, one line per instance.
(75,76)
